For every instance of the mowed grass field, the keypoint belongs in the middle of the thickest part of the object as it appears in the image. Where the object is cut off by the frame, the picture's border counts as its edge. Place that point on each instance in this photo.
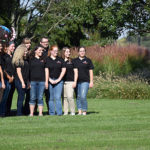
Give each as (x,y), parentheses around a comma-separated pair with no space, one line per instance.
(109,125)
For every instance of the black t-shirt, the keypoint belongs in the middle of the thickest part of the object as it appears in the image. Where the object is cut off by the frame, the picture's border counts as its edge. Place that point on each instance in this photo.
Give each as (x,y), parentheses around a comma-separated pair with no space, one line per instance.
(55,66)
(44,54)
(70,66)
(0,64)
(8,67)
(37,69)
(24,71)
(84,66)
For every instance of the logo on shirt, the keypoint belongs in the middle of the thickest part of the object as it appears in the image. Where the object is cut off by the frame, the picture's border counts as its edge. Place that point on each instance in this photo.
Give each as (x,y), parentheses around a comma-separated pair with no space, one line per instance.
(69,63)
(85,62)
(58,62)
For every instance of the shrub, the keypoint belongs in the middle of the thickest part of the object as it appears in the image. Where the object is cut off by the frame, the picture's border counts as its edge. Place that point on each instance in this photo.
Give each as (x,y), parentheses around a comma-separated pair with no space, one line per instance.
(115,87)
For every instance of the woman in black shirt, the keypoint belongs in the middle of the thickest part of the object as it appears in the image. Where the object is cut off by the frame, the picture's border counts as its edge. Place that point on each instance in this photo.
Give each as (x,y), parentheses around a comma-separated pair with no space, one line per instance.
(85,79)
(8,74)
(70,81)
(2,83)
(21,75)
(37,80)
(55,70)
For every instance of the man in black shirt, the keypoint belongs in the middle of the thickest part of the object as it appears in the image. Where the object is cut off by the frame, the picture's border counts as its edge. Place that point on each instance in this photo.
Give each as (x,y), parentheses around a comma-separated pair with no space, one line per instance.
(45,44)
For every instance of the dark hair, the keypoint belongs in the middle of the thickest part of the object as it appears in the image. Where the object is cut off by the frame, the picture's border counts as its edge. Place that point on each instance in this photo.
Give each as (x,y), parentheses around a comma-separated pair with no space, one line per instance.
(32,54)
(43,38)
(81,47)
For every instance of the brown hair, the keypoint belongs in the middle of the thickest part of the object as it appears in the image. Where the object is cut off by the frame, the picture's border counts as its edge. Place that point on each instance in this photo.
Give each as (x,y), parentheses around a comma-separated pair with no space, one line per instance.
(63,53)
(41,40)
(81,47)
(51,49)
(26,41)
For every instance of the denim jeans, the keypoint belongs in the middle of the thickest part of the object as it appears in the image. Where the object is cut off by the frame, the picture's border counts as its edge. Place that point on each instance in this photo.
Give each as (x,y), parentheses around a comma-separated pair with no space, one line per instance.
(82,90)
(55,98)
(36,92)
(4,98)
(21,96)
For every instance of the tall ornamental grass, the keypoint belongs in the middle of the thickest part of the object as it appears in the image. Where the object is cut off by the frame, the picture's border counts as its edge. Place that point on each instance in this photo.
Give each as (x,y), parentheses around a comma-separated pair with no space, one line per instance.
(117,59)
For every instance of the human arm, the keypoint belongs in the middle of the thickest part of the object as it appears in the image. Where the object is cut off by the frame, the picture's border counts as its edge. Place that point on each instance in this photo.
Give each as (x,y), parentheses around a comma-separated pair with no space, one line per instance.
(91,78)
(20,77)
(75,77)
(63,71)
(46,77)
(2,78)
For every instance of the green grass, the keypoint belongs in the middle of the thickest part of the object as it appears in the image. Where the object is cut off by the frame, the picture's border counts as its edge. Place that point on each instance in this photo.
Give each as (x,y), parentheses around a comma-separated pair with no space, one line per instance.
(110,125)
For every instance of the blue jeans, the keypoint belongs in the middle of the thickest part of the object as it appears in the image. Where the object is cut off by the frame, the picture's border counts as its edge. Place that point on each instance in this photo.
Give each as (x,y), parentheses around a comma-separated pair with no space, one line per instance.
(55,94)
(36,92)
(4,98)
(82,90)
(21,96)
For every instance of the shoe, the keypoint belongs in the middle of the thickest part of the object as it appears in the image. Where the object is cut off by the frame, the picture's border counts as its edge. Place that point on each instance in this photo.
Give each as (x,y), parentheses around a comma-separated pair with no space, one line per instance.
(72,114)
(30,115)
(65,114)
(84,113)
(40,115)
(79,114)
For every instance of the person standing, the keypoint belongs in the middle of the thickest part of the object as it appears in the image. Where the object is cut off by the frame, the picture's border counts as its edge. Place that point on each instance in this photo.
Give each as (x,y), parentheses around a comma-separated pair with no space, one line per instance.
(55,71)
(10,72)
(2,83)
(44,42)
(37,80)
(21,75)
(70,82)
(85,79)
(27,42)
(8,75)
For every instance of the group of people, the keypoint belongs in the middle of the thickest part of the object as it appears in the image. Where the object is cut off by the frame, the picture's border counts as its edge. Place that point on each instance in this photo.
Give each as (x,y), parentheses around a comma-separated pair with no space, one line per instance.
(43,71)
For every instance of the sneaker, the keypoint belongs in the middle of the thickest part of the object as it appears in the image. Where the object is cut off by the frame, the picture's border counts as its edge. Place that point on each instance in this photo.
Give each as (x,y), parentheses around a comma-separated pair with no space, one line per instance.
(79,114)
(65,114)
(84,113)
(30,115)
(72,114)
(40,114)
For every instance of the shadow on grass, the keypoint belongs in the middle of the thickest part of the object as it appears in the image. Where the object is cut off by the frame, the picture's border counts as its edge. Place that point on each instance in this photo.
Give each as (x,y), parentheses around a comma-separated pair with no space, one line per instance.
(45,113)
(92,112)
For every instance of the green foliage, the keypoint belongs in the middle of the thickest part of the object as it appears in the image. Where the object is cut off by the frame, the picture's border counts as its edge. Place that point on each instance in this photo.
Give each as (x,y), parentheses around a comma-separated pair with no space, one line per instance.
(75,22)
(114,87)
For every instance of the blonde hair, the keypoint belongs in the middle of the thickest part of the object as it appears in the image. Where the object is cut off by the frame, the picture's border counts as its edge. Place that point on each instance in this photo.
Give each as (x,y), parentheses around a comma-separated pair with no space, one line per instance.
(18,55)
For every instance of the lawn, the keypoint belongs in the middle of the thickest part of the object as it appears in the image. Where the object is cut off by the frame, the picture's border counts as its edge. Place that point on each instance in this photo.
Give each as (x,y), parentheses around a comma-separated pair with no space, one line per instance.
(109,125)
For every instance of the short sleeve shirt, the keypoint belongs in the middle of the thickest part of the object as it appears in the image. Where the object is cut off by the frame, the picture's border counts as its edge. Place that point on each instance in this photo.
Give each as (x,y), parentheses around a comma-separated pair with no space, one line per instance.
(84,66)
(24,71)
(55,66)
(70,66)
(37,69)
